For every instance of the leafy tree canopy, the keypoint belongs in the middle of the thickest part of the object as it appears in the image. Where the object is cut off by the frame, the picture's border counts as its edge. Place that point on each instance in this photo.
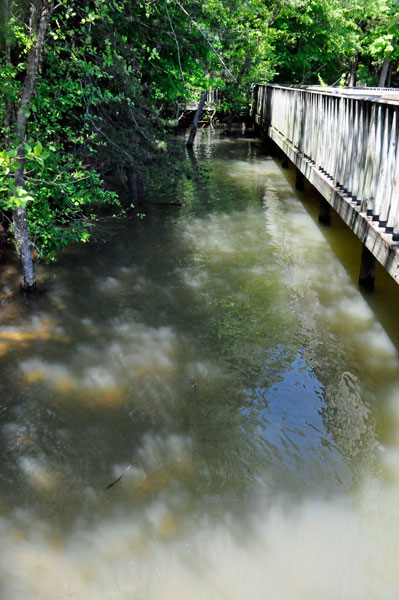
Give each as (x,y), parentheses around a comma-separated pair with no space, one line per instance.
(114,75)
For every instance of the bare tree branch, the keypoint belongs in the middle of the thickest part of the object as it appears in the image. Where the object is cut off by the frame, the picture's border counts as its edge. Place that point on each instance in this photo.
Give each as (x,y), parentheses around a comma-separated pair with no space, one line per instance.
(177,45)
(278,7)
(206,39)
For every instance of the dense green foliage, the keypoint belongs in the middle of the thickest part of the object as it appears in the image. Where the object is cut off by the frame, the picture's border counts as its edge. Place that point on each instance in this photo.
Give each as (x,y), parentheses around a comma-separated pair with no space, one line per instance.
(114,76)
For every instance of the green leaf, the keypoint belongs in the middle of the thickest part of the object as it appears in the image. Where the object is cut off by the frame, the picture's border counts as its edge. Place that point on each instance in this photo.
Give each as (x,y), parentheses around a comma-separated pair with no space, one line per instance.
(37,149)
(14,166)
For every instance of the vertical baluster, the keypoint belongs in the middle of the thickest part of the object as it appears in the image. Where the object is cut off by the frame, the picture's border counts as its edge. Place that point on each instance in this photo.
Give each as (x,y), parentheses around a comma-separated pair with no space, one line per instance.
(285,128)
(340,145)
(315,129)
(382,171)
(390,170)
(392,216)
(376,162)
(292,114)
(334,129)
(367,170)
(308,122)
(350,158)
(322,134)
(292,107)
(309,137)
(259,101)
(312,127)
(269,103)
(300,125)
(345,153)
(307,98)
(351,164)
(359,143)
(330,133)
(367,116)
(320,130)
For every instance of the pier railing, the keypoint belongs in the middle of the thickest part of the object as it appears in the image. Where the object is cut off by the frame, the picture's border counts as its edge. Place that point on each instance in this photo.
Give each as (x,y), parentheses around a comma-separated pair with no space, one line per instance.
(213,100)
(350,136)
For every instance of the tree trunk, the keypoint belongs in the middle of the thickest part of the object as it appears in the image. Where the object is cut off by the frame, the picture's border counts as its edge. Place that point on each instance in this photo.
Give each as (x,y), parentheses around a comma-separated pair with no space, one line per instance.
(7,106)
(229,124)
(197,115)
(389,75)
(233,91)
(353,72)
(384,72)
(40,16)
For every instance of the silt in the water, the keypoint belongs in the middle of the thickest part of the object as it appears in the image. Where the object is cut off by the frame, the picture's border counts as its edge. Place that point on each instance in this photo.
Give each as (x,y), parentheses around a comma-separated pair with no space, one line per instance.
(203,406)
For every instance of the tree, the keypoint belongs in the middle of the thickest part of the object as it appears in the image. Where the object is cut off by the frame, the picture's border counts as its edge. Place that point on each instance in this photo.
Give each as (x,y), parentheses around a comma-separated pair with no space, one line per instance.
(39,19)
(86,109)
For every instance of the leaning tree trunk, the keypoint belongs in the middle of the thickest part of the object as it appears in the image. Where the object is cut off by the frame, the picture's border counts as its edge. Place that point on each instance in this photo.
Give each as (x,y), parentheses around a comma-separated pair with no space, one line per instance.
(389,74)
(384,72)
(7,106)
(198,113)
(40,16)
(353,72)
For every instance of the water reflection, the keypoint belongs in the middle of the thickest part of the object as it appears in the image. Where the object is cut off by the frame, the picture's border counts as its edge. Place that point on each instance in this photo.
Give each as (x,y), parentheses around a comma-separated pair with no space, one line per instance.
(219,367)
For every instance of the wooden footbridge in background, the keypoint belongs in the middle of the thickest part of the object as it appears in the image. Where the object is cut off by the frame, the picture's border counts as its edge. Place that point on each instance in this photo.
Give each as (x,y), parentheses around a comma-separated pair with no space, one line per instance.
(212,101)
(345,142)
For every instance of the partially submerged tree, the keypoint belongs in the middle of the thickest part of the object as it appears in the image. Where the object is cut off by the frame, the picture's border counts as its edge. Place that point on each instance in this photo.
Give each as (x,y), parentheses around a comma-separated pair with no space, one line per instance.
(39,19)
(13,161)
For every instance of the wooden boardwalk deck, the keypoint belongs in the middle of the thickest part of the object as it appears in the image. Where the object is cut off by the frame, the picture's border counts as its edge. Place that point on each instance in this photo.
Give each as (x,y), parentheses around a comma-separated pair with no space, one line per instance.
(345,142)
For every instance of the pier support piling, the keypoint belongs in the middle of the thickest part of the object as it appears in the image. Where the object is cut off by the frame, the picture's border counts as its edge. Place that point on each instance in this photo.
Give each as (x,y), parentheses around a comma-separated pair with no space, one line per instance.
(299,180)
(325,212)
(368,267)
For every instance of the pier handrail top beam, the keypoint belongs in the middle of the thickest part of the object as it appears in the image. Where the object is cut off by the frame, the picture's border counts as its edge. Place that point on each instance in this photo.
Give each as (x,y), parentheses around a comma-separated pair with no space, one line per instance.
(377,95)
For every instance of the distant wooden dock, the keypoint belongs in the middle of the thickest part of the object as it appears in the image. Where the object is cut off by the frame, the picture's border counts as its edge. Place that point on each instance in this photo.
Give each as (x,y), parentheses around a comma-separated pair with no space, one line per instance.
(345,142)
(212,101)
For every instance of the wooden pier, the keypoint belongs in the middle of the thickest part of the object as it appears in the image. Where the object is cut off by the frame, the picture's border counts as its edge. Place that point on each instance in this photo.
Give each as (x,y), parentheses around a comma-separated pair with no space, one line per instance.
(213,100)
(345,142)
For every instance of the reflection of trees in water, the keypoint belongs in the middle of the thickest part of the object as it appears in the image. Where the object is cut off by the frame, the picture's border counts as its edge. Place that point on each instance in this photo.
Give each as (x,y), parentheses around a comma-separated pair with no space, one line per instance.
(153,292)
(62,439)
(349,419)
(345,410)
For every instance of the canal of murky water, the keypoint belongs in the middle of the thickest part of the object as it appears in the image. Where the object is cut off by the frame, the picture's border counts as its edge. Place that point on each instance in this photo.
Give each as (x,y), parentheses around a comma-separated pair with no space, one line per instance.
(203,405)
